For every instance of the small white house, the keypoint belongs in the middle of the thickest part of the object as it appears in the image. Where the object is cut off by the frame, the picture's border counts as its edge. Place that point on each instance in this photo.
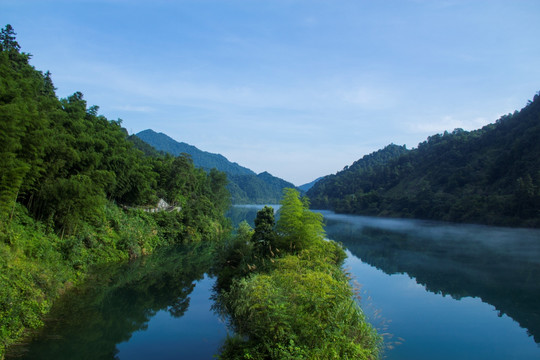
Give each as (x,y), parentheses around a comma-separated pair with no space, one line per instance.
(162,205)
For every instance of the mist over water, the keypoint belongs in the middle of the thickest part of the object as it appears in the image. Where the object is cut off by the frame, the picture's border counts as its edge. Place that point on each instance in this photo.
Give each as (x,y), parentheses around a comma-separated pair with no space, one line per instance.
(491,273)
(442,290)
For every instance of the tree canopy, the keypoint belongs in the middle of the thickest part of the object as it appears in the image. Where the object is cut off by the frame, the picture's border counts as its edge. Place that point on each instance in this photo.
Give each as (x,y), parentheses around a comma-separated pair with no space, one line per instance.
(7,39)
(297,225)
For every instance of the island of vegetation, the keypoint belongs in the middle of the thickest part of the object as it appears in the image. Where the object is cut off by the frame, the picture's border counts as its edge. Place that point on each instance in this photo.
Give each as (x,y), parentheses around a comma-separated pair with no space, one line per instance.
(283,289)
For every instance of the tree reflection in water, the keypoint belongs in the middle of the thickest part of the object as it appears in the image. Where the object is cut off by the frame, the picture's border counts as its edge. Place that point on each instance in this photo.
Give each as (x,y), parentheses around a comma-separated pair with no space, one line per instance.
(501,266)
(88,321)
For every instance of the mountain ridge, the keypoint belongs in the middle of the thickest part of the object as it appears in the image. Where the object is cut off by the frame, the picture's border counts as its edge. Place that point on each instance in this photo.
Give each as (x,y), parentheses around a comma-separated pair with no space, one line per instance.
(201,158)
(245,185)
(309,185)
(490,176)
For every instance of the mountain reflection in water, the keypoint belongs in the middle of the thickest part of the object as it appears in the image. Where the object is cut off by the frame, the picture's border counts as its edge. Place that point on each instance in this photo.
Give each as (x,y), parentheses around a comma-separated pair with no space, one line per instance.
(501,266)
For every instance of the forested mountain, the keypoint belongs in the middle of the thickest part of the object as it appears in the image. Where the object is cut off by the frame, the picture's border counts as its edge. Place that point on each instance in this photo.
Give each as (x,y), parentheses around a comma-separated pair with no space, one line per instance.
(202,159)
(490,175)
(245,186)
(73,190)
(309,185)
(257,189)
(349,180)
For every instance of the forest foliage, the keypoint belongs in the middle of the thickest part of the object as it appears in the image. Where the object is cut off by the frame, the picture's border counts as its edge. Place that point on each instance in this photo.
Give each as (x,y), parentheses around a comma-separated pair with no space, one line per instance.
(490,176)
(283,290)
(73,190)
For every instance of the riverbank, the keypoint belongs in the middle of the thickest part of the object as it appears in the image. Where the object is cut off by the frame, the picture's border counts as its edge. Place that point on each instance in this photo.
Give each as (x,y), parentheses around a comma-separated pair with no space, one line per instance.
(140,309)
(37,265)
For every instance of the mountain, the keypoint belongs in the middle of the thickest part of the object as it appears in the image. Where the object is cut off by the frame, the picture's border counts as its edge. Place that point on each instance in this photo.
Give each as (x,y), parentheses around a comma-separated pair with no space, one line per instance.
(202,159)
(309,185)
(490,175)
(244,185)
(324,194)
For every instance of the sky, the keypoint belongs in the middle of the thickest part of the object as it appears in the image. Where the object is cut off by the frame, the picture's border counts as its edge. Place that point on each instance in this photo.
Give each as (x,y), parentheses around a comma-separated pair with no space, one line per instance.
(298,88)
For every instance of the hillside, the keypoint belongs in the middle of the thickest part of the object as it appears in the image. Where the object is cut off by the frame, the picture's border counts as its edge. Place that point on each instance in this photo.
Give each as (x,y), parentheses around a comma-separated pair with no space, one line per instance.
(244,185)
(490,175)
(202,159)
(72,194)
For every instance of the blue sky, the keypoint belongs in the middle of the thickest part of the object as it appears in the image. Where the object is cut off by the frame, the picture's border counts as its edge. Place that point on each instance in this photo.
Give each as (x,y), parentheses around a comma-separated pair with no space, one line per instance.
(296,88)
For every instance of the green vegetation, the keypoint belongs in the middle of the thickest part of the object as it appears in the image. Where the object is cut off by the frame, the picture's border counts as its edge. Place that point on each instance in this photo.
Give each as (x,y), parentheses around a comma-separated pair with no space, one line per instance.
(490,176)
(285,293)
(244,185)
(73,190)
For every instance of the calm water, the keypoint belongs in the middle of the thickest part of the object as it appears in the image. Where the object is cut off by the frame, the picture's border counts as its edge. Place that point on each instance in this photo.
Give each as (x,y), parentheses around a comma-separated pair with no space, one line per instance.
(444,291)
(436,290)
(155,308)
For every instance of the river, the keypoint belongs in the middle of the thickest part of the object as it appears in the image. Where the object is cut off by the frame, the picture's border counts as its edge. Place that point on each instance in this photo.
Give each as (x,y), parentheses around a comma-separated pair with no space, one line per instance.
(440,290)
(435,290)
(446,291)
(156,307)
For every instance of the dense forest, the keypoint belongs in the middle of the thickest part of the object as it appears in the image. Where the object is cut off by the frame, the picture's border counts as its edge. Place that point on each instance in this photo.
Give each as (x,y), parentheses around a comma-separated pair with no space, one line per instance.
(73,191)
(245,186)
(490,176)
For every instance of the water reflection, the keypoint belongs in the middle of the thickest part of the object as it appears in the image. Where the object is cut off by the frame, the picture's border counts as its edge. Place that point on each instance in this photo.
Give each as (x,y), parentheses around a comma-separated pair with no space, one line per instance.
(403,264)
(118,300)
(499,265)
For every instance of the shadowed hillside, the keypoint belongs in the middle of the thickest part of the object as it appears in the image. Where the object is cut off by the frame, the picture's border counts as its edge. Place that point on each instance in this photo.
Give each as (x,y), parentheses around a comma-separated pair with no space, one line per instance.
(490,175)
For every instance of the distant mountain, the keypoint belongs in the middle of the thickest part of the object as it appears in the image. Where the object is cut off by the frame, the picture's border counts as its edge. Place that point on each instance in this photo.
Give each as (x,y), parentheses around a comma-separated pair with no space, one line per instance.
(309,185)
(202,159)
(146,148)
(245,186)
(490,175)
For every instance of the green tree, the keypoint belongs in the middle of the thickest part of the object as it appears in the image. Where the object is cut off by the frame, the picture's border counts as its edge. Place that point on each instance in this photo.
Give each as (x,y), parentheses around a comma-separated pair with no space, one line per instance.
(264,238)
(7,39)
(244,232)
(219,193)
(297,226)
(62,169)
(23,119)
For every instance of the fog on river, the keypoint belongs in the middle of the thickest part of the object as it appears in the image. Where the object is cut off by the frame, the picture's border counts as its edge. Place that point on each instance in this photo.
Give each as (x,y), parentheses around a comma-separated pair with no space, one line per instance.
(440,290)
